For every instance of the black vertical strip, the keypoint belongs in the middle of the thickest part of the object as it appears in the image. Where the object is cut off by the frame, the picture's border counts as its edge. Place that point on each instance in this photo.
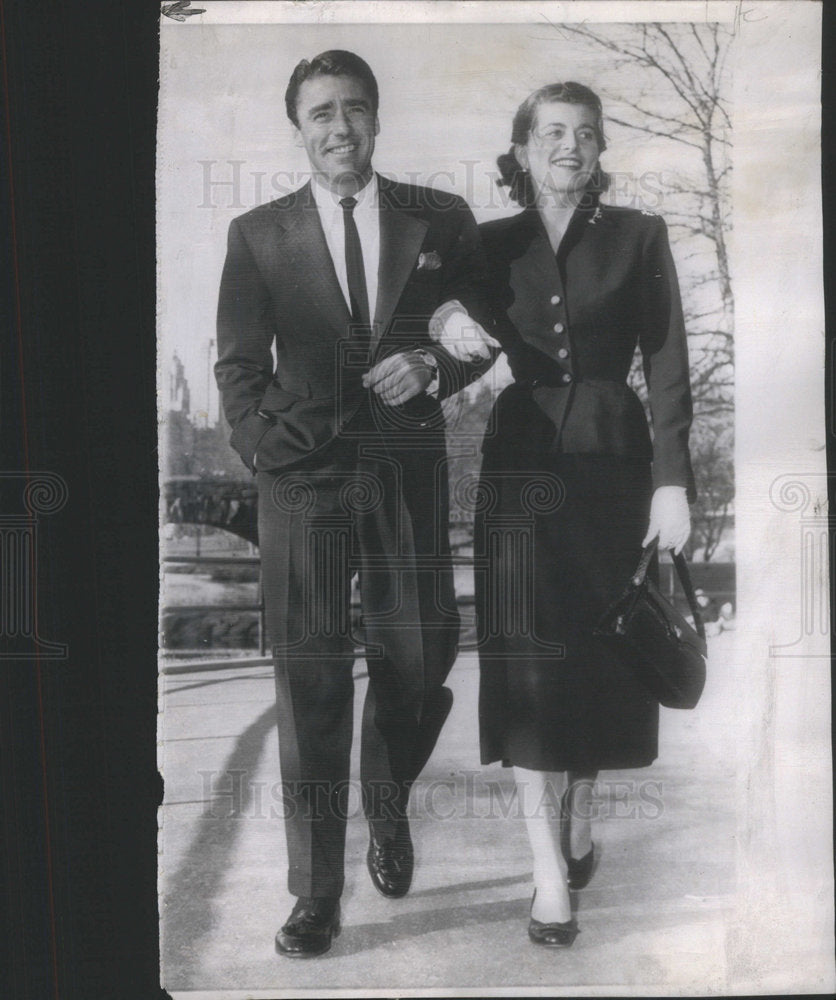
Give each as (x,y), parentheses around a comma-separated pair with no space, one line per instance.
(78,782)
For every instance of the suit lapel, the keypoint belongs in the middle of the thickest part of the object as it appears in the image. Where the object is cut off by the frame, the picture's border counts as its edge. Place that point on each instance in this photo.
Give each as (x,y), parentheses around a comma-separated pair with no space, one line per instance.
(305,251)
(538,264)
(401,237)
(533,264)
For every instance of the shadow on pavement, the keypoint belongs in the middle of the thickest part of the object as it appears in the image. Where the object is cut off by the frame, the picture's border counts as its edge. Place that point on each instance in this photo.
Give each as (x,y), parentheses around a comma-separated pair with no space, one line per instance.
(189,893)
(174,688)
(493,883)
(362,937)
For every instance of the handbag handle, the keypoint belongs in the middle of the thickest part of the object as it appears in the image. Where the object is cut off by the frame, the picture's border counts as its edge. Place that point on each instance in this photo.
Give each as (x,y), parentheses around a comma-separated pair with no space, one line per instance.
(684,578)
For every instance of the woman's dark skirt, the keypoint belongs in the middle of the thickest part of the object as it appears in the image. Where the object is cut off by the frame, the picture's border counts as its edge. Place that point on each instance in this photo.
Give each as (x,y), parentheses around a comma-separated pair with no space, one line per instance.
(557,537)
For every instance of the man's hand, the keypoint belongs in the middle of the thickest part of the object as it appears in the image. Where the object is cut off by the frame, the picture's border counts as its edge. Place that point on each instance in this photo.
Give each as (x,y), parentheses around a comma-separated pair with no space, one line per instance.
(670,518)
(399,377)
(459,335)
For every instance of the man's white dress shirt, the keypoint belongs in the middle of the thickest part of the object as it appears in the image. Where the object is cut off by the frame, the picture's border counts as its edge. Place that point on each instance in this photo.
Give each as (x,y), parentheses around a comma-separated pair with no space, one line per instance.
(367,220)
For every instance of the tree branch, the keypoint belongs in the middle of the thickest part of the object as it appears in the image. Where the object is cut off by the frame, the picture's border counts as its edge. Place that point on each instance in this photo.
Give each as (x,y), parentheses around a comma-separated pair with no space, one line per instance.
(653,131)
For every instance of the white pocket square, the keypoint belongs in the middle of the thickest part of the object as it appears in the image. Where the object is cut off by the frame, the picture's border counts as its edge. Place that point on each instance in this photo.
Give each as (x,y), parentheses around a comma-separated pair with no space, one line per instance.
(430,261)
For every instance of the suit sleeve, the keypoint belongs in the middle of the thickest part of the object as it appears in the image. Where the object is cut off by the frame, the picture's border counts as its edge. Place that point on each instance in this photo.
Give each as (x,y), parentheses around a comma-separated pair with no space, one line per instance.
(465,279)
(245,334)
(664,350)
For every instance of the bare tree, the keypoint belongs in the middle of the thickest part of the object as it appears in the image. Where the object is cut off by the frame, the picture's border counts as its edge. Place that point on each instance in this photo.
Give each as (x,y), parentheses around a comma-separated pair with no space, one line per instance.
(679,96)
(672,86)
(711,452)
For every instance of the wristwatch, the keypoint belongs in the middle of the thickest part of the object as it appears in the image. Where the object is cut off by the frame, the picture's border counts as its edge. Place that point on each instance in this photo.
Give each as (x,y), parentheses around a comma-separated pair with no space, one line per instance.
(431,361)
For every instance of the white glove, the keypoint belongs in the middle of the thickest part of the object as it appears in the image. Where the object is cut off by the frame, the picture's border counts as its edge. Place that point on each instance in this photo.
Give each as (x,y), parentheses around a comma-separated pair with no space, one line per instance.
(459,335)
(670,518)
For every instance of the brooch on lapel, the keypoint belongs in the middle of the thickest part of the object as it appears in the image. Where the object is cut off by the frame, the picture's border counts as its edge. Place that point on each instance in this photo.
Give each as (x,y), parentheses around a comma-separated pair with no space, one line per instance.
(596,216)
(430,261)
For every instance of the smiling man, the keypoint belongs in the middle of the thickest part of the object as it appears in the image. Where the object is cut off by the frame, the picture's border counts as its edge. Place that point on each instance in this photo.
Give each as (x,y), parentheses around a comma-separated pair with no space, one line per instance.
(343,278)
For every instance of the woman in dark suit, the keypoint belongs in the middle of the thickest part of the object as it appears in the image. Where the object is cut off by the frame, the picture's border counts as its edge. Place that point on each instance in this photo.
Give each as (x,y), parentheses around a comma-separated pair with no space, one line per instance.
(572,484)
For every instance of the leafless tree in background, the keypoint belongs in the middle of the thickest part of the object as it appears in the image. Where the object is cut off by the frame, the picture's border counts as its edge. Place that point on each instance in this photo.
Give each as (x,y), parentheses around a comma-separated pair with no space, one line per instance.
(679,95)
(669,83)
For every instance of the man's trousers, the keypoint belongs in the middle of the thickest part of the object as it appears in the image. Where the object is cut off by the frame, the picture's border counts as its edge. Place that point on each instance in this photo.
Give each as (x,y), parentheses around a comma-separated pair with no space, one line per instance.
(381,513)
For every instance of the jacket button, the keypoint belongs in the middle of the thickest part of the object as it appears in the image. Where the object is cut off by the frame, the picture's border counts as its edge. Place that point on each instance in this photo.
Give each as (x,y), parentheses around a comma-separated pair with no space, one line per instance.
(534,383)
(563,353)
(558,328)
(567,378)
(555,300)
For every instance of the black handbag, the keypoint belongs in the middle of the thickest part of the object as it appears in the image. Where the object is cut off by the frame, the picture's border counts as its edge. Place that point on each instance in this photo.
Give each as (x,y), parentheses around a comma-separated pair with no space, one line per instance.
(667,653)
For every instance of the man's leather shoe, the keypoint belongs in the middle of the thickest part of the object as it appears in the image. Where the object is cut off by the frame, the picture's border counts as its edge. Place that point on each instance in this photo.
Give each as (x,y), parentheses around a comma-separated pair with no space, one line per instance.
(391,862)
(310,928)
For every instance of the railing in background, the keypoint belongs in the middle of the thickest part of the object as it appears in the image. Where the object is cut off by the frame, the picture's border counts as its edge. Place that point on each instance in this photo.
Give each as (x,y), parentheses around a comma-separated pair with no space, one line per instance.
(716,579)
(197,608)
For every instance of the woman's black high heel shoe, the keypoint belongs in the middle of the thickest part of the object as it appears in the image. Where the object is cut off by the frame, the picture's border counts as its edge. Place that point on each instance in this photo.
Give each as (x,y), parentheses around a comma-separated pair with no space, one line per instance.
(553,935)
(579,870)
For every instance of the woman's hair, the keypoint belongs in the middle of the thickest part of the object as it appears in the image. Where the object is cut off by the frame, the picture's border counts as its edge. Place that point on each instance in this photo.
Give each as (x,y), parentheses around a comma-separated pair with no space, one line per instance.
(512,174)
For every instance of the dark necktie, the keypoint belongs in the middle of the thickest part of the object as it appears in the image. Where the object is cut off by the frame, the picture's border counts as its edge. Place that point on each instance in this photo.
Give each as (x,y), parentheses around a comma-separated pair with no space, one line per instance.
(356,274)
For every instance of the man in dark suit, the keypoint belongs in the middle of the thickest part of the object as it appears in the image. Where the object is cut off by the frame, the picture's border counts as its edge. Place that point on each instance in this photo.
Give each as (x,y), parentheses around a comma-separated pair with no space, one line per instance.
(342,278)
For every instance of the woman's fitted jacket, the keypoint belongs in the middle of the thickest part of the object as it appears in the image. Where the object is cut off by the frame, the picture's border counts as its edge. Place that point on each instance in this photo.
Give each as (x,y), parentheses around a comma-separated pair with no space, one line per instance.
(570,324)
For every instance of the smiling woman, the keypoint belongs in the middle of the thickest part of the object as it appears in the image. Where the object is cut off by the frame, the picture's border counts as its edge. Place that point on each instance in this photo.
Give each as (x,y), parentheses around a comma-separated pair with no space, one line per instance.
(577,287)
(557,138)
(562,150)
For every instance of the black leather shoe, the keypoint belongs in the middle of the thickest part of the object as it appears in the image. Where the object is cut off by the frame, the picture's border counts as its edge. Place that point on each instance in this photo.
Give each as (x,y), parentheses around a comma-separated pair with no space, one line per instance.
(553,935)
(310,928)
(391,862)
(580,870)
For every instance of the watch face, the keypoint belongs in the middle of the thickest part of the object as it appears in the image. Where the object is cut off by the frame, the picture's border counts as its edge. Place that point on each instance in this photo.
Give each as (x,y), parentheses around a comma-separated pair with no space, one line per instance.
(430,360)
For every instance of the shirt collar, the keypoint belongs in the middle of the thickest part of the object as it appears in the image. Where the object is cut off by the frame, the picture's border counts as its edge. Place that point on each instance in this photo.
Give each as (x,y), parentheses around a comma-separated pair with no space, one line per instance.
(326,200)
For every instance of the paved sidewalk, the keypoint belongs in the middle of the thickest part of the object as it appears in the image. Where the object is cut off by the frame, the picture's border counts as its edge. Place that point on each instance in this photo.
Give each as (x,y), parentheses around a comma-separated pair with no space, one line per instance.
(654,916)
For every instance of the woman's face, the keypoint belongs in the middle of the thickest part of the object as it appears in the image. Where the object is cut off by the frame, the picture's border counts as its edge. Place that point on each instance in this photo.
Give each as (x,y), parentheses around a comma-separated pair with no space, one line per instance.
(562,150)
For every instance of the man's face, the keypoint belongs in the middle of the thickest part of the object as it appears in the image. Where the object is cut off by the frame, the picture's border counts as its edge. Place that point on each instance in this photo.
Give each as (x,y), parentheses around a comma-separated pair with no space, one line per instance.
(337,127)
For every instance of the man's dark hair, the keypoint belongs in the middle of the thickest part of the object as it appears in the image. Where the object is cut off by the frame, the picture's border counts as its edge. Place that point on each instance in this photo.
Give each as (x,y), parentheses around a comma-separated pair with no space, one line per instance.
(334,62)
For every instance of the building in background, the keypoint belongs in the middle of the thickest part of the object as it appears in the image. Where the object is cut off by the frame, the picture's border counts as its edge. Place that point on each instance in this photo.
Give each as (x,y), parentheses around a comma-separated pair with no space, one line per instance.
(179,396)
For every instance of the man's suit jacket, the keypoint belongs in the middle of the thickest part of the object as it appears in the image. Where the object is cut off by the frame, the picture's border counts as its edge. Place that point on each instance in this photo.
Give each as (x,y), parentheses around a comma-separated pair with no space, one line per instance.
(279,287)
(570,324)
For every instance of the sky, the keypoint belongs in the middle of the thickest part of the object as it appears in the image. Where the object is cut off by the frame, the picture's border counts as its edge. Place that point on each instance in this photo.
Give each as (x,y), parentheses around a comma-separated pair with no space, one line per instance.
(448,94)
